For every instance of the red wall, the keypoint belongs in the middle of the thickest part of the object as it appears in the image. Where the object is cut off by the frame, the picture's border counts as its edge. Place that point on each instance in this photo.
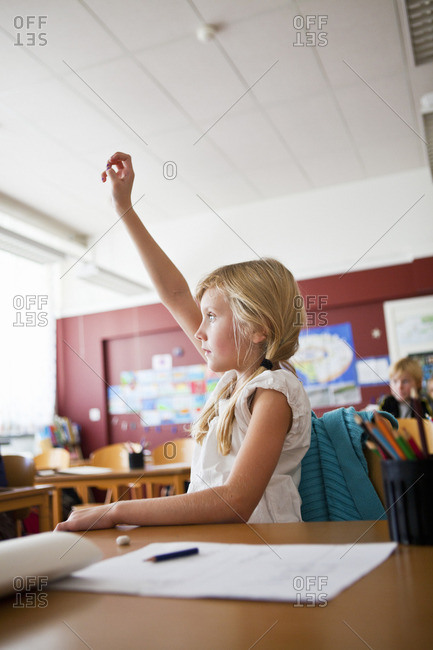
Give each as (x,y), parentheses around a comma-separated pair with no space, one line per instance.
(82,377)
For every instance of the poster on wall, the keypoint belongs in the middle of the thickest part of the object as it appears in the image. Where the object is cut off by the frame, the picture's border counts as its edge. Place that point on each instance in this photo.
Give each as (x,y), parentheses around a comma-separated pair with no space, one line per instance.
(326,364)
(373,371)
(409,330)
(425,360)
(162,394)
(409,327)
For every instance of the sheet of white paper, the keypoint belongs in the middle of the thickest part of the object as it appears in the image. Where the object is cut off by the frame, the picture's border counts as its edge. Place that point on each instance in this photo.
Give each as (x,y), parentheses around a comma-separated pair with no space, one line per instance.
(295,573)
(85,469)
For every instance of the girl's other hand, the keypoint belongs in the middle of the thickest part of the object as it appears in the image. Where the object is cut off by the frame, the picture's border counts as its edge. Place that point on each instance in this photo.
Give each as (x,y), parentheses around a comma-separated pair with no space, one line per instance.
(121,174)
(90,519)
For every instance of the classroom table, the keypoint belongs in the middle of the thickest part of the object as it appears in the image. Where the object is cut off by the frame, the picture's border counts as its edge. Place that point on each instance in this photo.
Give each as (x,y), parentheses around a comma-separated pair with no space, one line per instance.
(17,498)
(171,473)
(390,608)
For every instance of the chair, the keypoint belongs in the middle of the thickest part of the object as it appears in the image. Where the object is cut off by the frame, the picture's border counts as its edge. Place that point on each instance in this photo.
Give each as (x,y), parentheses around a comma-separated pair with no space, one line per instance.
(115,457)
(335,485)
(20,472)
(411,426)
(179,450)
(54,458)
(174,451)
(375,473)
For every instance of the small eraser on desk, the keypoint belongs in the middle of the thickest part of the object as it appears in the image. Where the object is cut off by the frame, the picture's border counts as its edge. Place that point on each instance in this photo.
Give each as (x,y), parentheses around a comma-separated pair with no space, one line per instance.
(123,540)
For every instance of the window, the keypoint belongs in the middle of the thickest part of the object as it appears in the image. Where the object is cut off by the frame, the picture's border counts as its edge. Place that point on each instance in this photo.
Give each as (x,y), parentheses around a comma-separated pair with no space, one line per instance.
(27,344)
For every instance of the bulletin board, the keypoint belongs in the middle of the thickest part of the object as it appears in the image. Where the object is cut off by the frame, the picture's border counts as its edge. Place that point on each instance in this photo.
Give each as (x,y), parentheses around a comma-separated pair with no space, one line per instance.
(156,385)
(162,395)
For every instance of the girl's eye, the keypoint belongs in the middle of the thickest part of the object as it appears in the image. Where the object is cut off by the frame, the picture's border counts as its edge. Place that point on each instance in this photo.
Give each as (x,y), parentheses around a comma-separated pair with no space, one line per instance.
(211,317)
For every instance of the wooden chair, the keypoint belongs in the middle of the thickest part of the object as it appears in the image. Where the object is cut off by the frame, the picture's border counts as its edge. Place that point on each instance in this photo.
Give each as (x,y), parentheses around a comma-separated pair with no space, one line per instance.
(375,473)
(179,450)
(411,426)
(174,451)
(54,458)
(115,457)
(20,472)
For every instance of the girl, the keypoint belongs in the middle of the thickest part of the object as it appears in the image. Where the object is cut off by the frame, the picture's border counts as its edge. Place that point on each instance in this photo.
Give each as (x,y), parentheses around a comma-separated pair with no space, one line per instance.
(255,428)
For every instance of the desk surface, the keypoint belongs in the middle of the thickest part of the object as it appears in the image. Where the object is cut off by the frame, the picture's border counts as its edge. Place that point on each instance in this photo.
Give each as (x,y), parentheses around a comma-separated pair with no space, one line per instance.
(127,474)
(6,493)
(390,608)
(16,498)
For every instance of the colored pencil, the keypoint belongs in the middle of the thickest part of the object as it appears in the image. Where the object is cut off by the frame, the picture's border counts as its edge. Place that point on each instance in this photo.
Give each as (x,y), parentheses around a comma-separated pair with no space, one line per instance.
(404,445)
(411,442)
(377,450)
(378,420)
(378,438)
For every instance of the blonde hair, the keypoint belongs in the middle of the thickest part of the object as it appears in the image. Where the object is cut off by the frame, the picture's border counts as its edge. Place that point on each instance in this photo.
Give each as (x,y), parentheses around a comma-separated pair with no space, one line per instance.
(410,366)
(263,296)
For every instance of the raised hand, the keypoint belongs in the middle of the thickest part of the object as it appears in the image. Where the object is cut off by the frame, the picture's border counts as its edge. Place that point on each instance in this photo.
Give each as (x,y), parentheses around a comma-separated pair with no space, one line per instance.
(121,174)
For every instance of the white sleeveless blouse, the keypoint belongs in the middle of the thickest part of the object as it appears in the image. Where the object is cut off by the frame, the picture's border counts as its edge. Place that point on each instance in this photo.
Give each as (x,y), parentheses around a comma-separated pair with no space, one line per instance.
(280,502)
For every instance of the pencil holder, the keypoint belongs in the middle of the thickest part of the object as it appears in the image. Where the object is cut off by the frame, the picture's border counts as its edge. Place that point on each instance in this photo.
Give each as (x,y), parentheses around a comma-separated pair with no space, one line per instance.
(409,498)
(136,460)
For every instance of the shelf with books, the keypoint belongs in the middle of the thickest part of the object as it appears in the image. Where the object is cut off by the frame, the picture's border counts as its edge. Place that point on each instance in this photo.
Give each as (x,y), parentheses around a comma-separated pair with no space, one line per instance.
(61,433)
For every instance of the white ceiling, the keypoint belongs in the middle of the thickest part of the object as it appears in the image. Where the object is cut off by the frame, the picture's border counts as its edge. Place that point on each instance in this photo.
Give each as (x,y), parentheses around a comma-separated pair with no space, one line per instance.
(246,117)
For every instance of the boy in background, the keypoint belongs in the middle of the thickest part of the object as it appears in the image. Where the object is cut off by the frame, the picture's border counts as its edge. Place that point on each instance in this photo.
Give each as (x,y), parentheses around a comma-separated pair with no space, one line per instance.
(405,383)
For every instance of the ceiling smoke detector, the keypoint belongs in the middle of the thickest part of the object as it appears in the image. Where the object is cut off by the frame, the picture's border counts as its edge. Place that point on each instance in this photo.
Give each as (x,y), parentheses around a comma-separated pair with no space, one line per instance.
(206,33)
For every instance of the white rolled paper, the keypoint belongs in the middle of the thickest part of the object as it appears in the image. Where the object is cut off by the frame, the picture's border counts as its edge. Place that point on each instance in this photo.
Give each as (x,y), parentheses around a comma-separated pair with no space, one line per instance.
(46,555)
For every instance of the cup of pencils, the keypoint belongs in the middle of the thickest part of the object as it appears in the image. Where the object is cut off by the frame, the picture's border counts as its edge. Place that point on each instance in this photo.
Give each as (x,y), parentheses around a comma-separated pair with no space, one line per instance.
(135,454)
(407,471)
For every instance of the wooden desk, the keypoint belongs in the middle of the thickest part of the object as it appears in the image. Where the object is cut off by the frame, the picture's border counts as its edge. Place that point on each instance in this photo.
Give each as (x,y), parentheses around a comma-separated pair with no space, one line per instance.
(389,609)
(24,497)
(176,473)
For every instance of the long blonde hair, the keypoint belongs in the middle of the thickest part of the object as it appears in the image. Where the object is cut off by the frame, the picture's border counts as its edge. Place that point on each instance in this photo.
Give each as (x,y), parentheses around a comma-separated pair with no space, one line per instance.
(263,296)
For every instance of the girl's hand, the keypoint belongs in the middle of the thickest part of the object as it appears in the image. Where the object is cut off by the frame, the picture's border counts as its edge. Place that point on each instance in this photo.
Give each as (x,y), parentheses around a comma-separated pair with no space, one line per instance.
(121,180)
(90,518)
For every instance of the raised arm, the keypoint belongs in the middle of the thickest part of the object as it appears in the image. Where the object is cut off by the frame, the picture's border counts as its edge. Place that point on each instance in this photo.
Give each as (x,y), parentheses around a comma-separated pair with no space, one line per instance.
(170,284)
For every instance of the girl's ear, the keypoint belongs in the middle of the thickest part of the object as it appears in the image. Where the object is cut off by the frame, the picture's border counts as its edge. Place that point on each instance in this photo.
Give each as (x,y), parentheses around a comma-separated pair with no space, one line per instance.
(258,336)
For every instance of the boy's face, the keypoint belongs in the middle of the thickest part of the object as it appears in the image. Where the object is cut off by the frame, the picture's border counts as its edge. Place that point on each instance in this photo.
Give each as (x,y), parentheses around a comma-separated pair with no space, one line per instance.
(401,386)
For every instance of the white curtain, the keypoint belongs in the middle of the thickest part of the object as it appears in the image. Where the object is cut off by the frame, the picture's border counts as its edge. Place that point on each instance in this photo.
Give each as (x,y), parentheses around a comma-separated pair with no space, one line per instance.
(27,344)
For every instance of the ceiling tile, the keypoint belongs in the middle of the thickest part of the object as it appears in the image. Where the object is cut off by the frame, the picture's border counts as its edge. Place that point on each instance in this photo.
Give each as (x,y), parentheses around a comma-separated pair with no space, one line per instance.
(254,45)
(249,139)
(146,24)
(197,77)
(377,111)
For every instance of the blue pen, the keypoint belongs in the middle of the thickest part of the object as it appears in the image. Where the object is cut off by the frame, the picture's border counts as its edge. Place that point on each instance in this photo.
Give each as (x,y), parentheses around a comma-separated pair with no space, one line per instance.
(172,556)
